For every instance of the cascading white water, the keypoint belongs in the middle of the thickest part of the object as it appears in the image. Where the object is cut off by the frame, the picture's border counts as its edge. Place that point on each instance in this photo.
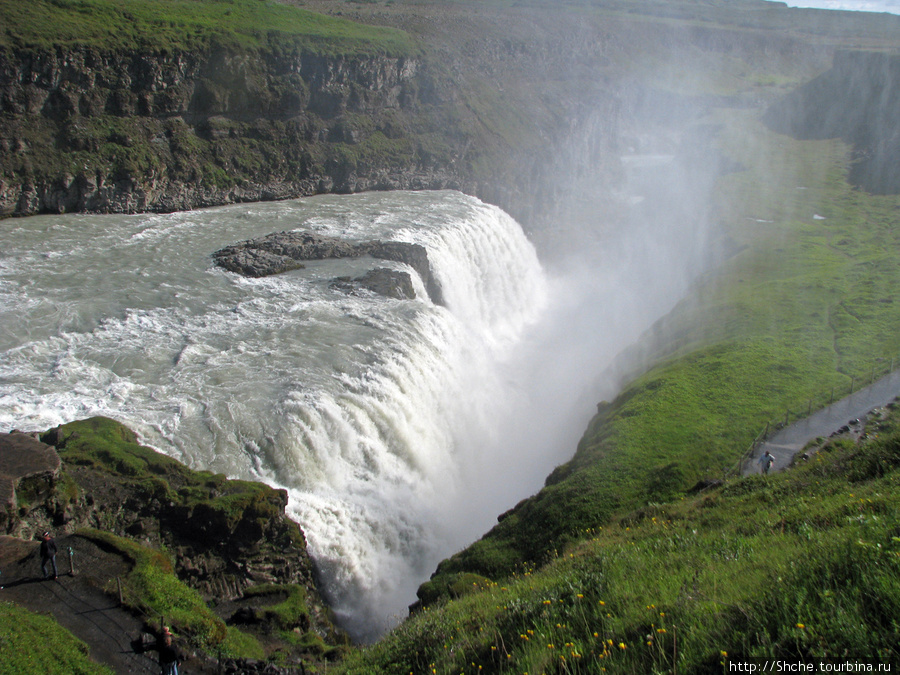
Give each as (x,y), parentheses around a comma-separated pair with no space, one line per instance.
(400,428)
(377,415)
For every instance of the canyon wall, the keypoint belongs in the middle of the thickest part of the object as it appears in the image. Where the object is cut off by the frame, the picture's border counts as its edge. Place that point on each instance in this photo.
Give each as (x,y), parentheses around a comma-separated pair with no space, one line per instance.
(113,132)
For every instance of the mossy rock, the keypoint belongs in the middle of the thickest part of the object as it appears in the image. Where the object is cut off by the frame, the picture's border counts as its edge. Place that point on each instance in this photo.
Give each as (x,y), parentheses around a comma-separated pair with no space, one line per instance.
(452,586)
(104,443)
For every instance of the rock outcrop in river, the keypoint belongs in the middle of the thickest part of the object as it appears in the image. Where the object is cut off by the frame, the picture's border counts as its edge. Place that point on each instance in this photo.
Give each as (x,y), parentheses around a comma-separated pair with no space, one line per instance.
(284,251)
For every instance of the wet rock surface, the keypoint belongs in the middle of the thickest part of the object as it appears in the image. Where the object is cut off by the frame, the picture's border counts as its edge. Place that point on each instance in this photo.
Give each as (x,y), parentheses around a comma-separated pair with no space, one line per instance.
(283,251)
(389,283)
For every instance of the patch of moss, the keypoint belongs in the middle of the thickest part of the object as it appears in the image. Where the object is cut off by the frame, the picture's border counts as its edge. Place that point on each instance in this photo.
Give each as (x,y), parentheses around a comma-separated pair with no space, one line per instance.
(188,25)
(152,588)
(203,497)
(104,443)
(288,611)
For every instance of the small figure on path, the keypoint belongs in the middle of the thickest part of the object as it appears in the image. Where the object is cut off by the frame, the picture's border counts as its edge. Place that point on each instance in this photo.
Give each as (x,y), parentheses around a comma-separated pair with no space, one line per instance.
(169,656)
(48,554)
(766,461)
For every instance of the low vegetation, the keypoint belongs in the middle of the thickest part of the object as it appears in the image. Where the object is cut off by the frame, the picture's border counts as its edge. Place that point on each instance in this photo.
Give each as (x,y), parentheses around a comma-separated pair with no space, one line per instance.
(800,565)
(188,25)
(35,643)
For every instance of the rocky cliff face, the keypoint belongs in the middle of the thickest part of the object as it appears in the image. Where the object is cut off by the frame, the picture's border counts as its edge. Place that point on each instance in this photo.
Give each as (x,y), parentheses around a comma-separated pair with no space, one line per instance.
(84,130)
(858,100)
(66,83)
(224,536)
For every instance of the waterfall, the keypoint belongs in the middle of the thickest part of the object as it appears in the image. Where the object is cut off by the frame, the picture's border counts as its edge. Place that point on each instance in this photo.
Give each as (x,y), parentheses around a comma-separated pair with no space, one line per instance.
(379,416)
(390,444)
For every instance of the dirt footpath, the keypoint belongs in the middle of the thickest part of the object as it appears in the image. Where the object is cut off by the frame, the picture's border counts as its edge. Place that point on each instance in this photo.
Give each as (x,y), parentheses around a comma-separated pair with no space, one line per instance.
(78,602)
(847,416)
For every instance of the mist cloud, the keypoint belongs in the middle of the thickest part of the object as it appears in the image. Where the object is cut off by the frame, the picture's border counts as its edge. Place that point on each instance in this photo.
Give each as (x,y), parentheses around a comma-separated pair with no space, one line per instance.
(890,6)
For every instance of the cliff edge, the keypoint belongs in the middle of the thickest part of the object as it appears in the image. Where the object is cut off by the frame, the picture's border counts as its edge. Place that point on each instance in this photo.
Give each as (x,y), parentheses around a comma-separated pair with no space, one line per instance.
(216,559)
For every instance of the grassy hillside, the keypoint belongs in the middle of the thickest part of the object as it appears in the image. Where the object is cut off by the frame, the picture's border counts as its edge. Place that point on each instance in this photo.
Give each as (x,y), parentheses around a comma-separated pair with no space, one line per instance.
(186,25)
(803,307)
(800,565)
(59,654)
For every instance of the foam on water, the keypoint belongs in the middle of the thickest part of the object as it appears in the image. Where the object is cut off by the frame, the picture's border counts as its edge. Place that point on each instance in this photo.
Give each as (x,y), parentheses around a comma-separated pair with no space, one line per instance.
(400,428)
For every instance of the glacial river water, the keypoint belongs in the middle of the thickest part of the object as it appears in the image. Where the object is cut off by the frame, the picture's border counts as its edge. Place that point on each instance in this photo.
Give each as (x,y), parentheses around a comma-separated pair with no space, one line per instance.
(400,428)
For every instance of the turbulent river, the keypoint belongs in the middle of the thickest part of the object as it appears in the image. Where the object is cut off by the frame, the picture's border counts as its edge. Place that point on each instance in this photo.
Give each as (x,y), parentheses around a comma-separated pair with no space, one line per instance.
(400,428)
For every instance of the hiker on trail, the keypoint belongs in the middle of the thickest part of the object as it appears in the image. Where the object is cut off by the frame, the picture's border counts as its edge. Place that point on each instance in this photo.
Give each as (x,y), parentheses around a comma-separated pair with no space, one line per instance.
(169,656)
(766,461)
(48,554)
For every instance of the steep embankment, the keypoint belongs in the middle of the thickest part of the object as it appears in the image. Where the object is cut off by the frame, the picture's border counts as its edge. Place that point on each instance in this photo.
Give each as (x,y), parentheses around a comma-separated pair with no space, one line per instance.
(800,566)
(216,559)
(126,111)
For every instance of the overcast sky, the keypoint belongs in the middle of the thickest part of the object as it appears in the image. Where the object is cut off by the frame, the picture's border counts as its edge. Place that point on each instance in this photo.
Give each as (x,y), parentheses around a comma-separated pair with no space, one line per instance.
(892,6)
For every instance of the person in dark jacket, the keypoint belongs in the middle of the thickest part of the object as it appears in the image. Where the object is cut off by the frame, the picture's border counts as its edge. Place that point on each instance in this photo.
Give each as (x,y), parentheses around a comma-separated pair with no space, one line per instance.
(48,554)
(169,656)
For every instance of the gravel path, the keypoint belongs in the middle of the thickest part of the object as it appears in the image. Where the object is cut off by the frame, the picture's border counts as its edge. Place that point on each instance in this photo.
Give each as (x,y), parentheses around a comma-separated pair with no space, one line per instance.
(849,412)
(78,602)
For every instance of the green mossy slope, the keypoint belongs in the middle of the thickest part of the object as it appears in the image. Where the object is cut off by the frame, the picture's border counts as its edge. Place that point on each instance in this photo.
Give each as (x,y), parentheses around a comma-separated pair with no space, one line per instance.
(59,654)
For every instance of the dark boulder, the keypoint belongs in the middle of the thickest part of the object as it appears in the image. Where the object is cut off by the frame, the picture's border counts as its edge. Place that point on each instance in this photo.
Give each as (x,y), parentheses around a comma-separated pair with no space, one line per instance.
(390,283)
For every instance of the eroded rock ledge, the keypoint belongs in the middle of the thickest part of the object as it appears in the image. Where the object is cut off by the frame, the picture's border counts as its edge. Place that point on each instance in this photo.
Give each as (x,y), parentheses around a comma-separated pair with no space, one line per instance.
(283,251)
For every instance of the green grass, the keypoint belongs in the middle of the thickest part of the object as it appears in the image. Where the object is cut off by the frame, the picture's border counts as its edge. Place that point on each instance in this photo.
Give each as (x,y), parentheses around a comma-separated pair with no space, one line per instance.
(60,653)
(290,610)
(188,25)
(152,589)
(799,565)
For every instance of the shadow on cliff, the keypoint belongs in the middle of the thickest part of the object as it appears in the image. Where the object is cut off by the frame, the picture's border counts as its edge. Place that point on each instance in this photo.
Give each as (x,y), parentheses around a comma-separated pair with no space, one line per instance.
(857,100)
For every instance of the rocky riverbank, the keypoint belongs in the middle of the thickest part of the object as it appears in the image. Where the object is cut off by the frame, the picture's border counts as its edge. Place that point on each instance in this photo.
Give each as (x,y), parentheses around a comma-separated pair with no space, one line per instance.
(229,541)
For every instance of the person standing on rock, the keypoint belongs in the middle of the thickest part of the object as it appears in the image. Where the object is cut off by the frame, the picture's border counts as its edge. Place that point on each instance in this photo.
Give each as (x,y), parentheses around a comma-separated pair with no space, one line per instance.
(48,554)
